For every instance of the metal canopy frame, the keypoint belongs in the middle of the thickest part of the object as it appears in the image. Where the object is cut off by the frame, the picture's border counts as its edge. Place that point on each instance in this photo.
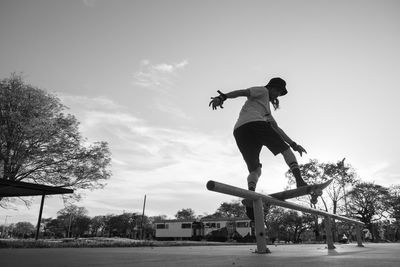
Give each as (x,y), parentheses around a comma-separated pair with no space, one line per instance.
(22,189)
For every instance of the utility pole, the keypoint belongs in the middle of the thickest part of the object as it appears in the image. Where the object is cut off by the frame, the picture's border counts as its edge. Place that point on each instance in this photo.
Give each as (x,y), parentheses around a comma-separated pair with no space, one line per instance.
(141,227)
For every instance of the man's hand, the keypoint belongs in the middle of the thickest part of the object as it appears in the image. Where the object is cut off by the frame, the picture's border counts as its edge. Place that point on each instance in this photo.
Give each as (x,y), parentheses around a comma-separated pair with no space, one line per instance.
(217,101)
(298,148)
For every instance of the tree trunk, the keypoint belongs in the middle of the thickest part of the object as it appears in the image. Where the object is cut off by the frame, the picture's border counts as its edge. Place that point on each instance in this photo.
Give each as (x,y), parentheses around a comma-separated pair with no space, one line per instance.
(316,229)
(334,228)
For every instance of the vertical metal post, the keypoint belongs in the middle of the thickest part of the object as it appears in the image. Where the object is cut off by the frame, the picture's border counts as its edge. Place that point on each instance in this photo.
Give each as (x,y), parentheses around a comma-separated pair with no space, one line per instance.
(358,235)
(260,227)
(141,226)
(328,230)
(40,218)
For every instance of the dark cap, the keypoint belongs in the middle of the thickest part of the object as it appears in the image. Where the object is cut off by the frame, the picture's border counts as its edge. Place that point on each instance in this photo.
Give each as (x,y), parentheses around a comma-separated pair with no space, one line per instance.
(278,83)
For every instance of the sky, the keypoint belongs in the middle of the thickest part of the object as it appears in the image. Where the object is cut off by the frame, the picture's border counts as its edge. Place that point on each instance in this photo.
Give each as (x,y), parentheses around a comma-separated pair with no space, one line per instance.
(139,75)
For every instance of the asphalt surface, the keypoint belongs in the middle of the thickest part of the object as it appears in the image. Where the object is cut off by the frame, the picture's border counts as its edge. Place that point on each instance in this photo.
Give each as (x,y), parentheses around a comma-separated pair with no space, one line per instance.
(281,255)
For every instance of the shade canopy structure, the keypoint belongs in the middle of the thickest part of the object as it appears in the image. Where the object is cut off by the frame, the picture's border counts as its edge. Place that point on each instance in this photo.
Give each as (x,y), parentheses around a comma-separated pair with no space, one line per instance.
(22,189)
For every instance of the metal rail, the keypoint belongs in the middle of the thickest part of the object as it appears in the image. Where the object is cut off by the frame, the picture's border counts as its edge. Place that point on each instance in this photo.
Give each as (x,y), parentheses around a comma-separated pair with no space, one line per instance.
(239,192)
(259,213)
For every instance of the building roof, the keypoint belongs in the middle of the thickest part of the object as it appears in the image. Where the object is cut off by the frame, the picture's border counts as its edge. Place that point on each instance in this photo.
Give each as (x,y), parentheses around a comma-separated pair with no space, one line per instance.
(172,220)
(204,220)
(223,219)
(19,189)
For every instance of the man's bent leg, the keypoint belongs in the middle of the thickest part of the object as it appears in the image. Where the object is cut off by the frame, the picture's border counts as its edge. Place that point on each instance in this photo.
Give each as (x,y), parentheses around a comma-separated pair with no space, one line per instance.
(291,161)
(252,179)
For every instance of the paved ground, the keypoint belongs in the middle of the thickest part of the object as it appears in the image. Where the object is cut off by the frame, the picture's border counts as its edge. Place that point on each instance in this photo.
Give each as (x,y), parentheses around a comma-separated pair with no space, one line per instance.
(282,255)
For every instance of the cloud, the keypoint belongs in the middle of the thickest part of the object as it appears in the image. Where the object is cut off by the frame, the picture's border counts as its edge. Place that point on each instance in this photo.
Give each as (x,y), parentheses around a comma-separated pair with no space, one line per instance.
(161,75)
(89,3)
(94,103)
(384,173)
(171,166)
(136,143)
(161,78)
(163,67)
(166,106)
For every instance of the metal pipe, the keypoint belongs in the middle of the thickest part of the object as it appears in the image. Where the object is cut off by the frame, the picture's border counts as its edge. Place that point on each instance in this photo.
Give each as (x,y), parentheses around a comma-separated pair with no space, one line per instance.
(40,217)
(239,192)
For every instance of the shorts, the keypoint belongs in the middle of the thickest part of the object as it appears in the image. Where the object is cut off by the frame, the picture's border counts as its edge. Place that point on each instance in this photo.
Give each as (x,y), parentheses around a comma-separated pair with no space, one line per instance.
(252,136)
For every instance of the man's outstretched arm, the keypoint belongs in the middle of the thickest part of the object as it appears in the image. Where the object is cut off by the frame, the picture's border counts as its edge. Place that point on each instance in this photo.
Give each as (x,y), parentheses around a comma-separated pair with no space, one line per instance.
(286,138)
(219,100)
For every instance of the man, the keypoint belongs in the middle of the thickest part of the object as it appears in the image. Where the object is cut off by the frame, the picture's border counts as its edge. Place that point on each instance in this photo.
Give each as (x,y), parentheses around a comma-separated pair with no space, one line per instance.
(256,128)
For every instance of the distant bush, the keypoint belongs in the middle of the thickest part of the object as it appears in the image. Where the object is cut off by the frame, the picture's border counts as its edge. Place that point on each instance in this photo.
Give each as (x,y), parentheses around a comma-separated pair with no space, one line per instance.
(72,243)
(101,242)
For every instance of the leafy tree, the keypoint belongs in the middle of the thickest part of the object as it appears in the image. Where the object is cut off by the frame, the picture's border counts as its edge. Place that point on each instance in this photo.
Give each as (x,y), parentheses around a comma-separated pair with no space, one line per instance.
(185,214)
(40,143)
(287,225)
(312,172)
(273,220)
(344,178)
(369,203)
(343,175)
(232,209)
(143,225)
(81,226)
(97,224)
(297,223)
(128,225)
(394,192)
(122,225)
(53,227)
(23,230)
(69,218)
(107,224)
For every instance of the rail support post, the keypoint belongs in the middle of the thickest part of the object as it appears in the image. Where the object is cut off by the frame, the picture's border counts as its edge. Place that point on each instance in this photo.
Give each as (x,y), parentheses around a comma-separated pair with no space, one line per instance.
(260,227)
(328,230)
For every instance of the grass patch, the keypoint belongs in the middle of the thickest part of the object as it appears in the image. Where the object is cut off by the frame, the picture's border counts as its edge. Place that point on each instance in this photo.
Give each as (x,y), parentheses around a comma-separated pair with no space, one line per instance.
(100,242)
(73,243)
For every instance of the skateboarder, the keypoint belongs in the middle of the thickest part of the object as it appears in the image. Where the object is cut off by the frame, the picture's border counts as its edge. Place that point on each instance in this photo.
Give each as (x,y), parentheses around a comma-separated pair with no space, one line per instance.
(256,128)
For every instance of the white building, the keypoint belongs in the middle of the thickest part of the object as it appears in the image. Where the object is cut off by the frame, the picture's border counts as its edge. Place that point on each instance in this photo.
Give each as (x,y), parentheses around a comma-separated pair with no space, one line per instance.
(188,229)
(179,229)
(240,225)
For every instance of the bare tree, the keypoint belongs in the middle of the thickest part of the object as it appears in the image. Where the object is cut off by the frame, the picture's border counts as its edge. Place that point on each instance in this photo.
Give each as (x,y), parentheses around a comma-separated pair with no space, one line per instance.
(40,143)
